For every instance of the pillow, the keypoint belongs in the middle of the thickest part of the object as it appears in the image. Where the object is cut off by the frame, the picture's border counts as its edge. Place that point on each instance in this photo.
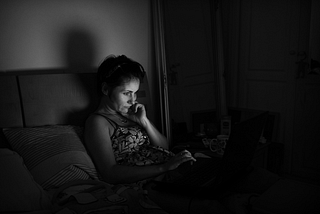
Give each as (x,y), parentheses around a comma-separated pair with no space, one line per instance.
(3,141)
(54,154)
(19,191)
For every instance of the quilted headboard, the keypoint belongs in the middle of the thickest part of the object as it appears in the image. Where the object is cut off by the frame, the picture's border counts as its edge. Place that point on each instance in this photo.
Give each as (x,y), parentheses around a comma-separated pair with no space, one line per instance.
(37,98)
(47,99)
(10,107)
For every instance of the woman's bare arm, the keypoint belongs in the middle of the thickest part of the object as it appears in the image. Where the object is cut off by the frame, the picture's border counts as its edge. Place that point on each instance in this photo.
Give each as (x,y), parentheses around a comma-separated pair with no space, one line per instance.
(98,143)
(138,114)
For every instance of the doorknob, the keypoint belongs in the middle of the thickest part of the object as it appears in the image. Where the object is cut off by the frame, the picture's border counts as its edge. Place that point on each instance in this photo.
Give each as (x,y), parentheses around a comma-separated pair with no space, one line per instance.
(302,54)
(173,74)
(174,65)
(314,67)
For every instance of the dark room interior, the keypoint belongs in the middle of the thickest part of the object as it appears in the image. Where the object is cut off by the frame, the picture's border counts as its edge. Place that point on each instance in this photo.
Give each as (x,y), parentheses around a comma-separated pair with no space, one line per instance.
(210,65)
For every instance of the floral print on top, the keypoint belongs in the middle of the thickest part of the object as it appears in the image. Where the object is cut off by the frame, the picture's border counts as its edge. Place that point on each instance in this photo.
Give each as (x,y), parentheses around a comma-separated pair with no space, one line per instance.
(131,147)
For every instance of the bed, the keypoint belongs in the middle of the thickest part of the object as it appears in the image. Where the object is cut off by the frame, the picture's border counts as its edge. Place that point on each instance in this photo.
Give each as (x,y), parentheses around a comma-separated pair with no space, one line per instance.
(42,115)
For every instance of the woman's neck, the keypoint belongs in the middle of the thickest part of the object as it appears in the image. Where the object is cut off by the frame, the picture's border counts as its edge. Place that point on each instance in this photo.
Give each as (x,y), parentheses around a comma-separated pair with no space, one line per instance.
(105,108)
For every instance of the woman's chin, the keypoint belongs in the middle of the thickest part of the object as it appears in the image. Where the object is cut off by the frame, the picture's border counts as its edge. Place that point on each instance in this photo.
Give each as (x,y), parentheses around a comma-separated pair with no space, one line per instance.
(124,111)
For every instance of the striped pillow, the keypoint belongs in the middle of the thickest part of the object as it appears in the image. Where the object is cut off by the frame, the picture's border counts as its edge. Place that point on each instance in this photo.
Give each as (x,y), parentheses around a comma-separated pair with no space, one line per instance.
(53,154)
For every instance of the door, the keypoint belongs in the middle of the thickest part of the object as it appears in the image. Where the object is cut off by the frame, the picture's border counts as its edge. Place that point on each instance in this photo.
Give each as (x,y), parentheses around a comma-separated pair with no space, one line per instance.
(273,73)
(189,58)
(306,140)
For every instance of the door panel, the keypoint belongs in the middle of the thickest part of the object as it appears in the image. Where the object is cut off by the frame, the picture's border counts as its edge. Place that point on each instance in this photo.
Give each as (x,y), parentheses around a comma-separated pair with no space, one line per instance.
(265,64)
(306,142)
(273,36)
(268,31)
(259,91)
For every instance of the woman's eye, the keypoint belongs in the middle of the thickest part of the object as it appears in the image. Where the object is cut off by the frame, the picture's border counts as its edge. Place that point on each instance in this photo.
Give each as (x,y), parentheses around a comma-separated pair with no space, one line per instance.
(130,94)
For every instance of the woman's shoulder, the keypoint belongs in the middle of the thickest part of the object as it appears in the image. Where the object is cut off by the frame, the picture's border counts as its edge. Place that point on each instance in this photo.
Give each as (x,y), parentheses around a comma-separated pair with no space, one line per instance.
(96,119)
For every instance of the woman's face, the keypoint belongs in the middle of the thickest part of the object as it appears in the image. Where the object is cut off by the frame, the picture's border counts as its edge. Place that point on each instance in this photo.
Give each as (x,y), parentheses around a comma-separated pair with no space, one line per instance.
(124,96)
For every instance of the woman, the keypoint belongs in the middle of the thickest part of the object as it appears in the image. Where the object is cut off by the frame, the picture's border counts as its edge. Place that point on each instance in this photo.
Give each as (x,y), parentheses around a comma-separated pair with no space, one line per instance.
(125,146)
(123,143)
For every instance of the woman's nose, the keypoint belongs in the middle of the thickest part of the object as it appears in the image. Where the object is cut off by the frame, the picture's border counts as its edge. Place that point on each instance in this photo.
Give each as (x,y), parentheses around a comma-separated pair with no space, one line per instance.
(133,99)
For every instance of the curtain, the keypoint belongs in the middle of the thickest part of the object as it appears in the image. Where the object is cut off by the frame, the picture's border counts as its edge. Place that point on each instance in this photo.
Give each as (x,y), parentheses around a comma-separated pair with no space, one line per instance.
(161,66)
(220,90)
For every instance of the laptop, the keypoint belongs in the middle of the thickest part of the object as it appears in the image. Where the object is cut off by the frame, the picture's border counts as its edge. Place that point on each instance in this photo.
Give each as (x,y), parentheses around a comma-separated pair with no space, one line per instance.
(212,177)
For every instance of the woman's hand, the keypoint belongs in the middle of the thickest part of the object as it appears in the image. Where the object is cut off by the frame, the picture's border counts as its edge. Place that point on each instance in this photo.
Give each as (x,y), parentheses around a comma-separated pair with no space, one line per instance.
(137,113)
(178,159)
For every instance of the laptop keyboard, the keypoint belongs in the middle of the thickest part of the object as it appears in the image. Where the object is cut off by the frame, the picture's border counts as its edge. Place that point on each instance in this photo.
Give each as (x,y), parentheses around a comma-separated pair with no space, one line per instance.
(200,174)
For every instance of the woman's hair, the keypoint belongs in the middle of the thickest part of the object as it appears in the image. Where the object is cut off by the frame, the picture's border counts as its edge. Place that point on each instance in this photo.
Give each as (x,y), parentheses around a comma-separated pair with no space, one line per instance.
(116,70)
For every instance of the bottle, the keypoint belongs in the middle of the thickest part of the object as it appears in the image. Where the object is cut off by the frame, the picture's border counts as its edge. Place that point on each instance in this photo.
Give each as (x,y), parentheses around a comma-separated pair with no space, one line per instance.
(226,125)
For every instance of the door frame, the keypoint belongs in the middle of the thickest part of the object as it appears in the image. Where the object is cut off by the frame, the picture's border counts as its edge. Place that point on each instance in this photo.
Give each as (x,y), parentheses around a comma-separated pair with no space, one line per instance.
(161,63)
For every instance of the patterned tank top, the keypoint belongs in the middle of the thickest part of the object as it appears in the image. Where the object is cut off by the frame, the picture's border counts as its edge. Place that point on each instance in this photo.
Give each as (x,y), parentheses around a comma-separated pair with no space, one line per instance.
(131,146)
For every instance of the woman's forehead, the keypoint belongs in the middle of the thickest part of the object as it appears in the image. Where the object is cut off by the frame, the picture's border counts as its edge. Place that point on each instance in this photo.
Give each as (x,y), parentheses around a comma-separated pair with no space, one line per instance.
(130,85)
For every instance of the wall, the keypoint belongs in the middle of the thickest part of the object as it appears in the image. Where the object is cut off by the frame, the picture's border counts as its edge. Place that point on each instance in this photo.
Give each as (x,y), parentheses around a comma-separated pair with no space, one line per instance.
(46,34)
(41,33)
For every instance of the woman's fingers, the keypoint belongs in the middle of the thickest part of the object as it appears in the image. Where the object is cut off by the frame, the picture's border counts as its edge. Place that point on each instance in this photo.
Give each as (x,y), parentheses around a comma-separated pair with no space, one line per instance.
(179,159)
(137,105)
(186,156)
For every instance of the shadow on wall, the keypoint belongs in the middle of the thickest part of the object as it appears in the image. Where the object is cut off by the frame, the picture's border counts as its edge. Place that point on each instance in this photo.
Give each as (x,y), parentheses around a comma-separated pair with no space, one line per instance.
(79,55)
(79,50)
